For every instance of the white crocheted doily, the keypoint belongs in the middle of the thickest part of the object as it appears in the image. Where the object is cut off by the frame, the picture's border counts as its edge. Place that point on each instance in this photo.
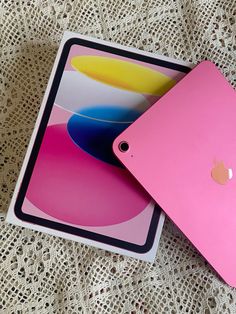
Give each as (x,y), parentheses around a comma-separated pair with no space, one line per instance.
(44,274)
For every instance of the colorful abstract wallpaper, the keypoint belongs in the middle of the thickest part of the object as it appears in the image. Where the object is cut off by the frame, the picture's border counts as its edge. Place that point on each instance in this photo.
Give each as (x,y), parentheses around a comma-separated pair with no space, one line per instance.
(77,180)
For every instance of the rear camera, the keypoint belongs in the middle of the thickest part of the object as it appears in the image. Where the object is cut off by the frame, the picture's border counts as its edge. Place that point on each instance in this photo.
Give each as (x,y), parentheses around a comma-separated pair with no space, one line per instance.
(123,147)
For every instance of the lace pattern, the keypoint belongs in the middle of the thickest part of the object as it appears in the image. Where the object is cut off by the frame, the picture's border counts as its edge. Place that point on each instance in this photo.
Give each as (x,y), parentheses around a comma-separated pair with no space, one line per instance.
(44,274)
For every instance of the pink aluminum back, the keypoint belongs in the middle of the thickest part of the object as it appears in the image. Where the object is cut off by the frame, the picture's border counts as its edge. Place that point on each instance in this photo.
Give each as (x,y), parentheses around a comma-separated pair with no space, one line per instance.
(173,148)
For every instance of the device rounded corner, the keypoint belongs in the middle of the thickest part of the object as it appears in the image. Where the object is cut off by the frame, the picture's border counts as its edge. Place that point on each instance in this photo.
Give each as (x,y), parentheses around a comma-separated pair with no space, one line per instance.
(18,211)
(69,42)
(115,145)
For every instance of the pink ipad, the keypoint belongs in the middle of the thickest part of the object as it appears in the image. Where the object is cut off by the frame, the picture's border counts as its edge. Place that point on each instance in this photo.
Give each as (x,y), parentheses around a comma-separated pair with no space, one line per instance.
(183,152)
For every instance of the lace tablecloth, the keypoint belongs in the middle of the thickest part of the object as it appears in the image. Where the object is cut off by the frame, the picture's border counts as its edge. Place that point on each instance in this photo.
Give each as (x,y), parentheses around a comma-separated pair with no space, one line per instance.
(44,274)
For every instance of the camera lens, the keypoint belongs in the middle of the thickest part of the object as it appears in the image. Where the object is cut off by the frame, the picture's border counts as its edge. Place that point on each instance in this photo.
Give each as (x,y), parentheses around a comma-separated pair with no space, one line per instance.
(123,147)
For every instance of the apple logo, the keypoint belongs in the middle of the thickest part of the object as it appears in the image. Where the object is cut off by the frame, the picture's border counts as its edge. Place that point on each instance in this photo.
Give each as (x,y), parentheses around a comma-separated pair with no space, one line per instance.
(220,173)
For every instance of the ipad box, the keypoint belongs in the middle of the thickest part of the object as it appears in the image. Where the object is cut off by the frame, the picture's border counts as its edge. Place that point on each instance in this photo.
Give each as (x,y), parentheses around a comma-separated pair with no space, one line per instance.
(71,185)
